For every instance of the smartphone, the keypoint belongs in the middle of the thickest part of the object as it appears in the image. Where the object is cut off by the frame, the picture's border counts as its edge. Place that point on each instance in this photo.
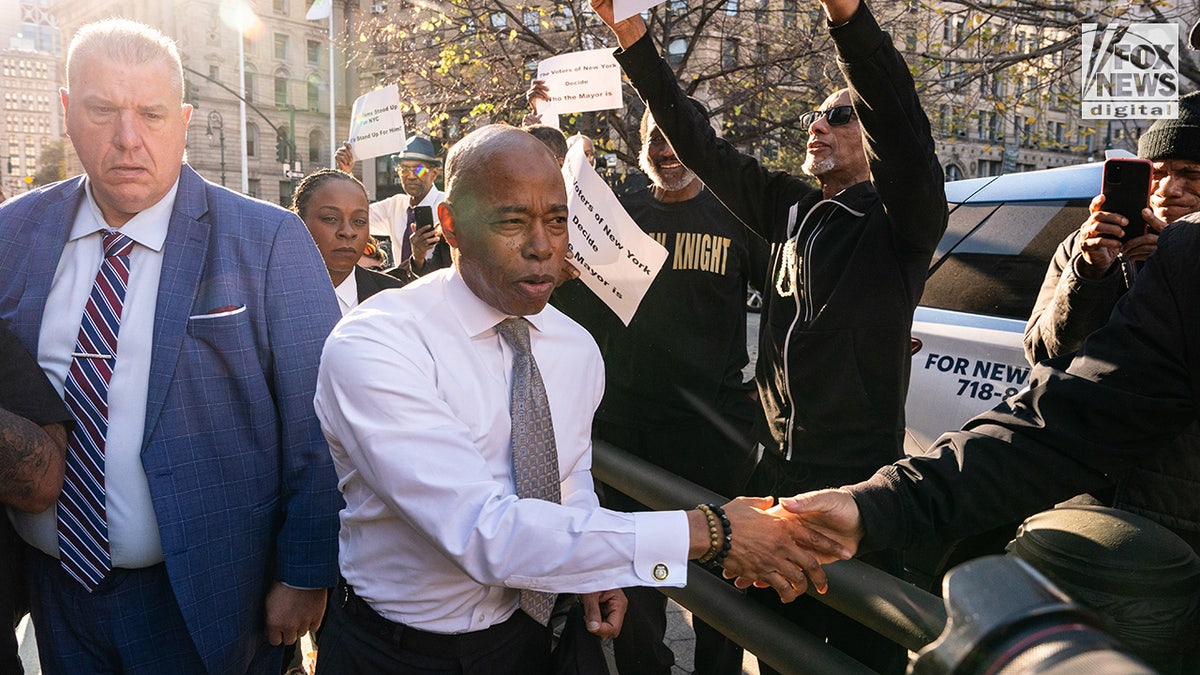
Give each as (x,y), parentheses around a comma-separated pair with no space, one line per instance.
(422,216)
(1126,191)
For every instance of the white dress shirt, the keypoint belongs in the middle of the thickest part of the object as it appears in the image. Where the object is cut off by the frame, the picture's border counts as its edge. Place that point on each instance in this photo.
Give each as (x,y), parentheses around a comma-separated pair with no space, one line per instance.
(347,293)
(413,397)
(132,525)
(389,217)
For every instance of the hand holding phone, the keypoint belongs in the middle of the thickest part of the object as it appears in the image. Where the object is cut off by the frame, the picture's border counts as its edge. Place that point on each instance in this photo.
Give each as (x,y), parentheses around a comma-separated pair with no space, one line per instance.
(1126,191)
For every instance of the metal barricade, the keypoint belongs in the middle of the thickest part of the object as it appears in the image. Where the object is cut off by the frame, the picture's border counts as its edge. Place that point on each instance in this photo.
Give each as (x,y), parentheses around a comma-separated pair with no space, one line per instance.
(892,607)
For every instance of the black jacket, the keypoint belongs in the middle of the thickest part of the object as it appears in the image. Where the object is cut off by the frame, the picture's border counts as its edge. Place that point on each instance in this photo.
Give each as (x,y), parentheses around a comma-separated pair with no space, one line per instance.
(1068,308)
(369,283)
(834,347)
(1082,425)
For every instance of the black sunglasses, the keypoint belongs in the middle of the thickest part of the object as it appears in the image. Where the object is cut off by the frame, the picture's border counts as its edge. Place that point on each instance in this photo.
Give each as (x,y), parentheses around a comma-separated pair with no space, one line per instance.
(836,116)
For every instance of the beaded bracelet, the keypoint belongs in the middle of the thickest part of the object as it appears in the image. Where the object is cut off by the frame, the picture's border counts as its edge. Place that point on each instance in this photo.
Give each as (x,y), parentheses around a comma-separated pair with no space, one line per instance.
(714,534)
(727,544)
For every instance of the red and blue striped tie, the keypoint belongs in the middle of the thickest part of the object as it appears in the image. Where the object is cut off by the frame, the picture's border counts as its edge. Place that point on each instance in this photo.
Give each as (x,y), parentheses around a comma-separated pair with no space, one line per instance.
(82,517)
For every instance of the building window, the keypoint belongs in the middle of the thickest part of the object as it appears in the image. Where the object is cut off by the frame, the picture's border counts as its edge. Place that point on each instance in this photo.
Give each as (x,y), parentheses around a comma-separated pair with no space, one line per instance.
(251,95)
(676,50)
(251,141)
(281,93)
(731,7)
(729,53)
(281,46)
(254,187)
(314,93)
(499,20)
(314,52)
(280,6)
(789,13)
(214,73)
(318,150)
(532,21)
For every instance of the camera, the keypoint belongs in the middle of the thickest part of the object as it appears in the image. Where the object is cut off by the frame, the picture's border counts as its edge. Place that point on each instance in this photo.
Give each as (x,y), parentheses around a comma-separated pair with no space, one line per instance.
(1003,617)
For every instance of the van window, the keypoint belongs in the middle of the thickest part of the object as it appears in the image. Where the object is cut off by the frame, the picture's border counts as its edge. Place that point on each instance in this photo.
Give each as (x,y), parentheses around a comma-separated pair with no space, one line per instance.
(997,269)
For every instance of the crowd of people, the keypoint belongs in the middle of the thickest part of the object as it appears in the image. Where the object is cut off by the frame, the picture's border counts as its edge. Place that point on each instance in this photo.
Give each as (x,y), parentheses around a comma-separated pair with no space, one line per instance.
(222,427)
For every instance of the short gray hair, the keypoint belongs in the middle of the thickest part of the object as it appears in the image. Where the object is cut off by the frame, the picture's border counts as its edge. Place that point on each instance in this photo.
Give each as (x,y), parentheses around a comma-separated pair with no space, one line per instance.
(124,41)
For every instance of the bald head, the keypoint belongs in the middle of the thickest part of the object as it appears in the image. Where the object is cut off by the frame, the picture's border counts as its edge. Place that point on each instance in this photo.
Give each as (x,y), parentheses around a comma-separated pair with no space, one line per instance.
(474,161)
(505,216)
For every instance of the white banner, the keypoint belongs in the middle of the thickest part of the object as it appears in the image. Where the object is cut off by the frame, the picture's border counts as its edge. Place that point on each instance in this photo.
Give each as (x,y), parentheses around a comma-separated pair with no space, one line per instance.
(376,126)
(623,9)
(615,258)
(581,82)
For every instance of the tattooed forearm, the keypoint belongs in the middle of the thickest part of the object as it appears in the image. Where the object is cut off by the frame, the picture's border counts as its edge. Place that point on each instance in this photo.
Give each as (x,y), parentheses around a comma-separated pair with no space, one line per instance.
(31,462)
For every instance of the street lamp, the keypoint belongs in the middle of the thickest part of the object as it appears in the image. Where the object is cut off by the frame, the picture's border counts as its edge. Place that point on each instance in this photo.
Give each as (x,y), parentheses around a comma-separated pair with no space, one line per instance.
(215,120)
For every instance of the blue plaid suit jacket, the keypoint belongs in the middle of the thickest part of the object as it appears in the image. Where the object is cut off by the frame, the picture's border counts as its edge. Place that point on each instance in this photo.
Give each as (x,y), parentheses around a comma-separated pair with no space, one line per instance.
(241,478)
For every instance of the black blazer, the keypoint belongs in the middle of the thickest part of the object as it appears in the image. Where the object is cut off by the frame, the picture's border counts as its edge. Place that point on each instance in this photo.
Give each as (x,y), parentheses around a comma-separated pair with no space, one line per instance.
(369,283)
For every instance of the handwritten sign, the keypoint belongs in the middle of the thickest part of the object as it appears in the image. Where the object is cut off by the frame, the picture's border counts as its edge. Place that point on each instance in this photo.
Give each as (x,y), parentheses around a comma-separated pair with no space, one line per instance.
(376,126)
(581,82)
(623,9)
(614,257)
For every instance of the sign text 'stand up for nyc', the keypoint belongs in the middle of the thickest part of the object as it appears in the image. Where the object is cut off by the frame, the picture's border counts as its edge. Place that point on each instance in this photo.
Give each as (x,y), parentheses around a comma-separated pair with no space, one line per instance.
(1130,72)
(376,126)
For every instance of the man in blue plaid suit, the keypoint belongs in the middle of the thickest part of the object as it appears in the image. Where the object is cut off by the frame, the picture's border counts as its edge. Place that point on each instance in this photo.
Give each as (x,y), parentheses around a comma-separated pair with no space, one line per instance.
(217,496)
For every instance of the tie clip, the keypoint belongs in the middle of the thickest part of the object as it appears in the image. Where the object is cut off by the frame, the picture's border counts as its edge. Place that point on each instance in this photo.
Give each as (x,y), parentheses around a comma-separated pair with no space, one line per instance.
(84,355)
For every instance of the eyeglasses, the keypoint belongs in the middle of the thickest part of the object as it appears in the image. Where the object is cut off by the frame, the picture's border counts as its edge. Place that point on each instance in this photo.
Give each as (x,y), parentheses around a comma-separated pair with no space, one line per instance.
(418,170)
(836,116)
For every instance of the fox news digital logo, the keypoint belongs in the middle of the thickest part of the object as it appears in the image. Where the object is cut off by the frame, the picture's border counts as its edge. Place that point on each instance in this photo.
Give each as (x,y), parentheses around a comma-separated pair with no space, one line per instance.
(1130,72)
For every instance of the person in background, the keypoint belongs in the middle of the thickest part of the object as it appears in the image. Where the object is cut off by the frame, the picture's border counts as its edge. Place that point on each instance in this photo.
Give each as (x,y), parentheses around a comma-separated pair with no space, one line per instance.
(1092,269)
(372,258)
(416,250)
(33,446)
(458,412)
(675,393)
(182,322)
(1085,422)
(553,139)
(849,261)
(333,206)
(589,148)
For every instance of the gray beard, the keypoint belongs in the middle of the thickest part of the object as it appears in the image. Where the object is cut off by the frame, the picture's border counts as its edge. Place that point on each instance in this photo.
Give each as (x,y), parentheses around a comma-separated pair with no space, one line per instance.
(818,168)
(657,178)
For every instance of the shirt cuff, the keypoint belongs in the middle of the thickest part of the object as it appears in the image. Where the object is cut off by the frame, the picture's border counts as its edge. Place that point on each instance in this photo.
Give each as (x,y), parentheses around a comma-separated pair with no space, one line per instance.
(660,547)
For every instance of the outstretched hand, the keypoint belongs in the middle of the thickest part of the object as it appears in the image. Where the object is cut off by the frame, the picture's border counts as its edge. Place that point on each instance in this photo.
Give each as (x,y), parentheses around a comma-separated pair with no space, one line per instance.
(772,547)
(628,31)
(832,513)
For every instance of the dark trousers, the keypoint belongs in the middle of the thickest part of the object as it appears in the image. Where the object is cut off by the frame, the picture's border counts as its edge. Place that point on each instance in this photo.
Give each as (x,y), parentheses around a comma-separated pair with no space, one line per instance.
(129,624)
(14,603)
(356,639)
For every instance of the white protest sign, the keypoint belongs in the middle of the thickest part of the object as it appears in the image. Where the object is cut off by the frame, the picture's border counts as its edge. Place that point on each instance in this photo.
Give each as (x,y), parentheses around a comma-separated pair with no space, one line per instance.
(614,257)
(581,82)
(376,126)
(623,9)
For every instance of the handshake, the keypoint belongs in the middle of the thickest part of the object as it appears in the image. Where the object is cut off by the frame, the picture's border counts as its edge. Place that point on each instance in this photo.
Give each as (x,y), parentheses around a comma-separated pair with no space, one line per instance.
(783,546)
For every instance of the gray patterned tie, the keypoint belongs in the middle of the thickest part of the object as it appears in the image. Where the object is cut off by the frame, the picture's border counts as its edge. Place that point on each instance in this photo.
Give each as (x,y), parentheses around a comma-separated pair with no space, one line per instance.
(535,458)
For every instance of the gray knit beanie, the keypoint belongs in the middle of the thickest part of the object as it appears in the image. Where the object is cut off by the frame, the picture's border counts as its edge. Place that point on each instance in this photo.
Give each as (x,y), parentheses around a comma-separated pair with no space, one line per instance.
(1174,139)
